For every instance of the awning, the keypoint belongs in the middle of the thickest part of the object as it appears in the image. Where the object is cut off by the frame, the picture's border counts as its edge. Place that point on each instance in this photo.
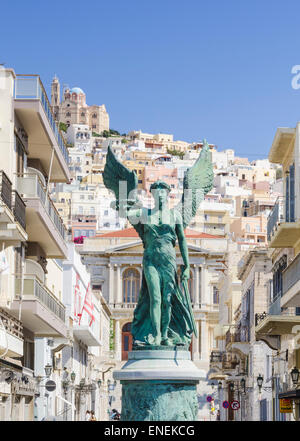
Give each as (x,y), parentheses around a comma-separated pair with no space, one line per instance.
(290,394)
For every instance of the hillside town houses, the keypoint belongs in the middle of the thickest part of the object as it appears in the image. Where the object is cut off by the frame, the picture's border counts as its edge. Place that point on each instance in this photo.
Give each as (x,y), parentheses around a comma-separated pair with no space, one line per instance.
(71,267)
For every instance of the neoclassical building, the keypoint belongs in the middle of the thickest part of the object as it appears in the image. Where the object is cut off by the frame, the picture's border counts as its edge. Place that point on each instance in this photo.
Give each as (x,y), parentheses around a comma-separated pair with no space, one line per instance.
(114,260)
(73,109)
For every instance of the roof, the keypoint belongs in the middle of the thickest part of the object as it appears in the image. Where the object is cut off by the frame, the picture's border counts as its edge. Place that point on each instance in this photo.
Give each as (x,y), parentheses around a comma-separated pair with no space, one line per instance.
(76,90)
(130,232)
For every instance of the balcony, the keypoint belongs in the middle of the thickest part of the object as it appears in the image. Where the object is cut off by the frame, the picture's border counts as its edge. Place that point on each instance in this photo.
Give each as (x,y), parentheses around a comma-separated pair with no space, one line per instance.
(276,322)
(291,284)
(282,232)
(11,335)
(238,340)
(43,223)
(86,334)
(12,212)
(41,312)
(34,112)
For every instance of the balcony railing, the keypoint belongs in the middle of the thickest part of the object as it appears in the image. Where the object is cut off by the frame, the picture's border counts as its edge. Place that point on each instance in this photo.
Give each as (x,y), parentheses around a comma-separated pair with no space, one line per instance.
(5,189)
(19,209)
(277,215)
(291,275)
(11,324)
(30,185)
(240,335)
(30,87)
(34,287)
(216,356)
(123,305)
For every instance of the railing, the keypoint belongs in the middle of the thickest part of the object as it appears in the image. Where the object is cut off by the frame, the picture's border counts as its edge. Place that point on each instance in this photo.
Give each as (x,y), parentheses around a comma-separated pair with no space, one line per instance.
(123,305)
(291,275)
(11,324)
(30,87)
(19,209)
(5,189)
(259,317)
(30,185)
(276,216)
(216,356)
(34,287)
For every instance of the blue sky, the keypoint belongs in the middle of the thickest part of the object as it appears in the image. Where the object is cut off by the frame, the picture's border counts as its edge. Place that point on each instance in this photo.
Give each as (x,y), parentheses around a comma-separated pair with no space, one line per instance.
(214,69)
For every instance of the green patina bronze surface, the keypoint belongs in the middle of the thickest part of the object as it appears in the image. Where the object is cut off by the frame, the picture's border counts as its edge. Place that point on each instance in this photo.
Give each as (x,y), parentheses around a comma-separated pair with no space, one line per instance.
(163,316)
(159,401)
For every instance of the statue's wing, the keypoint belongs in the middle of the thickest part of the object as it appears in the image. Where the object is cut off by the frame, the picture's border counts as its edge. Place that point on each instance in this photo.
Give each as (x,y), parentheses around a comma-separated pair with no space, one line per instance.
(198,180)
(115,173)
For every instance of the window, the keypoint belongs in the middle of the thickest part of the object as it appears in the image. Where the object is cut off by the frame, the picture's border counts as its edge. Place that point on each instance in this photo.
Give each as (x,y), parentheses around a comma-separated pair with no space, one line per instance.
(68,114)
(216,299)
(94,115)
(92,210)
(105,212)
(82,196)
(90,197)
(82,114)
(206,217)
(131,285)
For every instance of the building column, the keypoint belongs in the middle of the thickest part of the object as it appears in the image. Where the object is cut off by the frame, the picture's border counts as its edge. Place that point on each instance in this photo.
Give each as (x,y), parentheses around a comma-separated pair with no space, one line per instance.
(197,287)
(111,283)
(195,343)
(204,340)
(118,343)
(119,285)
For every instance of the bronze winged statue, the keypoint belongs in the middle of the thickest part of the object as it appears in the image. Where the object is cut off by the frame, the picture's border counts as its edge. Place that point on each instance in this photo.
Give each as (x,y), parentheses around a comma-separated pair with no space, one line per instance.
(163,315)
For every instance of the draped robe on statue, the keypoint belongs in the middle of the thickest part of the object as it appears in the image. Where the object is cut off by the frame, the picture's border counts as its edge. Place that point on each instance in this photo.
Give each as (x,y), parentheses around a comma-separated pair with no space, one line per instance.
(159,251)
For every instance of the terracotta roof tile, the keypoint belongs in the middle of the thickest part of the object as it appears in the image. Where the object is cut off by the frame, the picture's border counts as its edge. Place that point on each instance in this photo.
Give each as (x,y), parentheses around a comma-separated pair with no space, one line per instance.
(130,232)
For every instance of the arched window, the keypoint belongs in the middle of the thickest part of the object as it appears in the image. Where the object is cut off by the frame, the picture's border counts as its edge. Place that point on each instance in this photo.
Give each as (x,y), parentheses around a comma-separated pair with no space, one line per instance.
(131,285)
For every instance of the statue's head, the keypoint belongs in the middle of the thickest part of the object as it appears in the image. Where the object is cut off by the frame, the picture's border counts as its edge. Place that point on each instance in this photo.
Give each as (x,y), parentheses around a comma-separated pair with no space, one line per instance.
(160,191)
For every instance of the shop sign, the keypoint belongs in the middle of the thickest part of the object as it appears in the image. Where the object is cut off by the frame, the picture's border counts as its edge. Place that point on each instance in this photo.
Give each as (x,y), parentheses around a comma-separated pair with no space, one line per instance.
(285,405)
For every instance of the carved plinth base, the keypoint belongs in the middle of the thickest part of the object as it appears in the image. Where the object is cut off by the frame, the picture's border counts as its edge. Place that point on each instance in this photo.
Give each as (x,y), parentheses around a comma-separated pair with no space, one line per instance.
(159,385)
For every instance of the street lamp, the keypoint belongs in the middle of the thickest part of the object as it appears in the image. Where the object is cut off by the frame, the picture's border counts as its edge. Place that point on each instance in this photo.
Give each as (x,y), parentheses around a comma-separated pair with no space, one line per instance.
(231,387)
(259,380)
(99,382)
(82,383)
(73,376)
(295,376)
(219,385)
(48,370)
(243,385)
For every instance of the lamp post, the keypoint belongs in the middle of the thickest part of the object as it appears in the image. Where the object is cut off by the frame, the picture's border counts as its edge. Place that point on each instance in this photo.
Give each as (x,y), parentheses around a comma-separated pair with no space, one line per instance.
(259,380)
(295,376)
(48,370)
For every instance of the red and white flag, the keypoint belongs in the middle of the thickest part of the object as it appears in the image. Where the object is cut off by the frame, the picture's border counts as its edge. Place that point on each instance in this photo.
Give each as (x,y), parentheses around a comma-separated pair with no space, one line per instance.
(88,306)
(77,299)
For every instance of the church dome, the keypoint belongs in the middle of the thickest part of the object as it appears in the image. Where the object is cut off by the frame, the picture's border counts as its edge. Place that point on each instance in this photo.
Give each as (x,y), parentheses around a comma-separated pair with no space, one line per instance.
(77,90)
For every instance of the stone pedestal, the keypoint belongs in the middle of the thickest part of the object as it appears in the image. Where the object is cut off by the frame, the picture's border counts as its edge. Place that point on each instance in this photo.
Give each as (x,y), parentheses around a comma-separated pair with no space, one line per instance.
(159,385)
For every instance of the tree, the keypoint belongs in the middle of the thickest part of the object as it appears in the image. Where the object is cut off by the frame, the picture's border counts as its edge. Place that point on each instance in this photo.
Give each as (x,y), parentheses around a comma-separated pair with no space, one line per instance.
(63,127)
(175,152)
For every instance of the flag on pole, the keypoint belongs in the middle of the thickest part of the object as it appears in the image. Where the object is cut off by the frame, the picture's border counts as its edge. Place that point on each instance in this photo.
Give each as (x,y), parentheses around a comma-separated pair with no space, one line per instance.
(76,299)
(88,306)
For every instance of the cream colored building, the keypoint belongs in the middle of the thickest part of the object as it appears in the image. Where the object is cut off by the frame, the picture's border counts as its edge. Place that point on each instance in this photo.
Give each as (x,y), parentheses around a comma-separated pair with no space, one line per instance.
(73,108)
(165,140)
(32,238)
